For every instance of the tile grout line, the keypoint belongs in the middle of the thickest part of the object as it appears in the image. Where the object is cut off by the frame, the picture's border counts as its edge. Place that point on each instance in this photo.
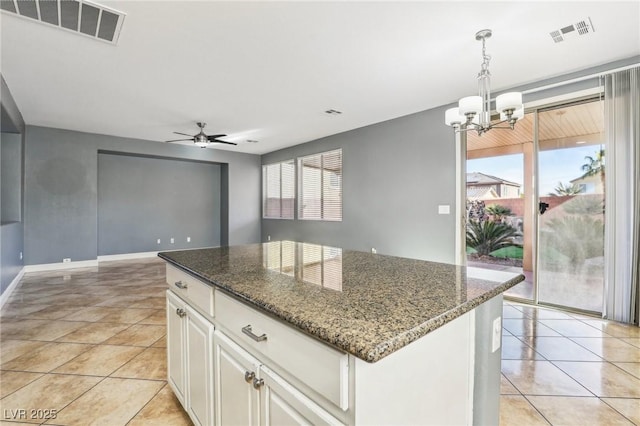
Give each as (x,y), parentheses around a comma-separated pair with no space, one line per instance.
(537,410)
(616,410)
(147,403)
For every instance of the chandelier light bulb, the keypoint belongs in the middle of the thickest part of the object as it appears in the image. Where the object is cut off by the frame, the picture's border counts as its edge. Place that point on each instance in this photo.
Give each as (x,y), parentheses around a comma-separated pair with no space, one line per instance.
(470,105)
(453,117)
(511,100)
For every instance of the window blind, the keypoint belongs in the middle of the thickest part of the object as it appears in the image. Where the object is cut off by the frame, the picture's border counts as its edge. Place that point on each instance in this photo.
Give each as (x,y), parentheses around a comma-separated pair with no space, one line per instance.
(321,186)
(278,190)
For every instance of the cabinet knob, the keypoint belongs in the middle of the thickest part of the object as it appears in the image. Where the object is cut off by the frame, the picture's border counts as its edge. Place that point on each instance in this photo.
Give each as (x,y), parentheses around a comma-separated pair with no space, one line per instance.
(249,376)
(257,383)
(179,284)
(181,312)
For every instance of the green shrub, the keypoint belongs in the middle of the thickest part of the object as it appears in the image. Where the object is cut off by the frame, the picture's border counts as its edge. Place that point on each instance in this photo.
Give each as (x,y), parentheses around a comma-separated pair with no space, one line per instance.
(498,212)
(488,236)
(584,204)
(576,238)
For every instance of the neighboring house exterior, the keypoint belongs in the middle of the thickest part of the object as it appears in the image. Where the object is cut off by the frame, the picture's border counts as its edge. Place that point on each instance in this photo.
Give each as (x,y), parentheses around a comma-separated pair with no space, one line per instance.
(481,193)
(479,182)
(589,184)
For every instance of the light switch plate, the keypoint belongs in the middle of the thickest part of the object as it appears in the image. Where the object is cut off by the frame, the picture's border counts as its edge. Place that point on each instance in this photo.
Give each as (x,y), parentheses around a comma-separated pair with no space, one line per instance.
(444,209)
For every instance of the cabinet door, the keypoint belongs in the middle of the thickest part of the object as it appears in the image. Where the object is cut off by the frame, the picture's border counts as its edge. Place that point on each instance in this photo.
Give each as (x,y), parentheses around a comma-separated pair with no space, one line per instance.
(282,405)
(199,368)
(176,346)
(236,398)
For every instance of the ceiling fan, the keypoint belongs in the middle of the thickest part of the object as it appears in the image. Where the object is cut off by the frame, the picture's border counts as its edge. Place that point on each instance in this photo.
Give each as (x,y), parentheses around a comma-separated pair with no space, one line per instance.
(201,139)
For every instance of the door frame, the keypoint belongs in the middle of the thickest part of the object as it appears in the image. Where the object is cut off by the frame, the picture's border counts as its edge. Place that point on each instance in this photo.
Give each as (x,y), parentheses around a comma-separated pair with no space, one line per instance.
(461,168)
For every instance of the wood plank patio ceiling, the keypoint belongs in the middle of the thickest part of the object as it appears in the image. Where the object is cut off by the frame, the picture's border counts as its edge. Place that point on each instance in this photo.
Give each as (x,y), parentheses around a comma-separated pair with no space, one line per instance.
(559,128)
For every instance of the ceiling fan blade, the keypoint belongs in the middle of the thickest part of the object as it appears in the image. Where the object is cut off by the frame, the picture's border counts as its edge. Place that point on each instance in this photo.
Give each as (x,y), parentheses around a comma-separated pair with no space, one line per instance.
(219,141)
(179,140)
(212,137)
(183,134)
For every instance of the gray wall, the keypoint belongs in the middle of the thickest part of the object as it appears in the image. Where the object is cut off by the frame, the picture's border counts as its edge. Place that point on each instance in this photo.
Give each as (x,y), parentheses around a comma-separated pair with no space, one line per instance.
(143,199)
(11,177)
(395,174)
(12,232)
(61,185)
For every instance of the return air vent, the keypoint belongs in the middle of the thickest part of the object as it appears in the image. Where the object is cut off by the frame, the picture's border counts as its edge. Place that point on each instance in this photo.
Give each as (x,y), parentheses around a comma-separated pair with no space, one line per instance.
(80,16)
(582,27)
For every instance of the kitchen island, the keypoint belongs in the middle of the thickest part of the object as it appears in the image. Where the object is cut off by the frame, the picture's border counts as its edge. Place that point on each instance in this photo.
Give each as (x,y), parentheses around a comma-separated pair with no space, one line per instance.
(287,332)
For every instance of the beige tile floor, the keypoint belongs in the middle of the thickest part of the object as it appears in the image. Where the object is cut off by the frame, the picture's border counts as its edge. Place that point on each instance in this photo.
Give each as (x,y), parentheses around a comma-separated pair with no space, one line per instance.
(567,369)
(89,345)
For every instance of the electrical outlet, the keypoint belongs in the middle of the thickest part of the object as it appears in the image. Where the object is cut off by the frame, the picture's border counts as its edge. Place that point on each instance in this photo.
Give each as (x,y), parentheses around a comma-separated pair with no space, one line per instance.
(373,250)
(188,239)
(172,240)
(497,334)
(66,260)
(158,240)
(20,255)
(268,237)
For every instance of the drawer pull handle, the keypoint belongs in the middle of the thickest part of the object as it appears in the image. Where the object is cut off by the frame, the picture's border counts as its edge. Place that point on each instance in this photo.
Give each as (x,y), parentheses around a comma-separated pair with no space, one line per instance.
(247,330)
(257,383)
(249,376)
(180,285)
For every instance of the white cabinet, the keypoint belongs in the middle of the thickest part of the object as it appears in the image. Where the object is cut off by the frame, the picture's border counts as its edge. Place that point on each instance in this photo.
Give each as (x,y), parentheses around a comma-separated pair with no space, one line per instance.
(250,393)
(257,370)
(282,404)
(176,346)
(237,400)
(190,359)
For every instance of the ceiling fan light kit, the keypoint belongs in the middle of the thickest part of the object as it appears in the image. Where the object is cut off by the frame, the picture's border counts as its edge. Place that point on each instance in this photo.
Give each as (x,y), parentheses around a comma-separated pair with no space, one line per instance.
(474,112)
(202,139)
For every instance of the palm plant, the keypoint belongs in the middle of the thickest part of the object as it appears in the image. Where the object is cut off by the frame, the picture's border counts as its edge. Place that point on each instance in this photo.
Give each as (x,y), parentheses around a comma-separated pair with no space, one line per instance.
(568,189)
(498,212)
(488,236)
(594,166)
(577,238)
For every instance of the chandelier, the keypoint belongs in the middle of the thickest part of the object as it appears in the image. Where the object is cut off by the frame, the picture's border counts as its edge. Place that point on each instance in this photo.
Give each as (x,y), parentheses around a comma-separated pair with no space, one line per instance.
(474,112)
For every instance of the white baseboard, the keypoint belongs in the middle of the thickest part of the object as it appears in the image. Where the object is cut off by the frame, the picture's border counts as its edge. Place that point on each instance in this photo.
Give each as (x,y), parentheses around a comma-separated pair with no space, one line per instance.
(61,265)
(7,292)
(127,256)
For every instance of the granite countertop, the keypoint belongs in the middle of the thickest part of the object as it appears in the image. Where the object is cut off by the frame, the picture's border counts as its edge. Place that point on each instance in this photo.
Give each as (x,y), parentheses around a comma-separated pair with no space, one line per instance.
(368,305)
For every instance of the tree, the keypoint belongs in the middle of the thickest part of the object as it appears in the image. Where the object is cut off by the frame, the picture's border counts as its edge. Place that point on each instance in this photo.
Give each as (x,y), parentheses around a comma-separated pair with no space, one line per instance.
(594,166)
(487,236)
(568,189)
(498,212)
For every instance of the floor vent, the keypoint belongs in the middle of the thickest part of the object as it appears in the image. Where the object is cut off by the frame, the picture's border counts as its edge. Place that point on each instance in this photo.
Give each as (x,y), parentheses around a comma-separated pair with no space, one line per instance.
(80,16)
(581,28)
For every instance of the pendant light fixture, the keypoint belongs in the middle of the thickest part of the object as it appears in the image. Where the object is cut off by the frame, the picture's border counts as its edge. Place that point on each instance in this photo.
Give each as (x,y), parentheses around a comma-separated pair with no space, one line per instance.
(474,112)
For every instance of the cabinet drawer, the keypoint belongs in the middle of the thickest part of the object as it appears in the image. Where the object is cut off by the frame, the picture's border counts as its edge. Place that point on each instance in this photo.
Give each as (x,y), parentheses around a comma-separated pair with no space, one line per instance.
(318,366)
(197,292)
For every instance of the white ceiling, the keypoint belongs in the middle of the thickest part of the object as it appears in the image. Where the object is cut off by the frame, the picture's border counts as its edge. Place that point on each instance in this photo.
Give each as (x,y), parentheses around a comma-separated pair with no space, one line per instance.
(267,70)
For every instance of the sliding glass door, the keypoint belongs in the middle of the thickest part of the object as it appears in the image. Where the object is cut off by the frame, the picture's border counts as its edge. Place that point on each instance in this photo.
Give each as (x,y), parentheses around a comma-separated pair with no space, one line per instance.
(571,177)
(536,194)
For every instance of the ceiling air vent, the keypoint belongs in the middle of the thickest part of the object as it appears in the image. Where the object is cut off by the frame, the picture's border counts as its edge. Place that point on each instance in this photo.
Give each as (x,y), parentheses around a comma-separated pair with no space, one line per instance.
(80,16)
(579,28)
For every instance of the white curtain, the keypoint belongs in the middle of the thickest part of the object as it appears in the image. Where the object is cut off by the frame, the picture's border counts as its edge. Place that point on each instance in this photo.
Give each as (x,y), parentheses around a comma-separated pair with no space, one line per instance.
(622,127)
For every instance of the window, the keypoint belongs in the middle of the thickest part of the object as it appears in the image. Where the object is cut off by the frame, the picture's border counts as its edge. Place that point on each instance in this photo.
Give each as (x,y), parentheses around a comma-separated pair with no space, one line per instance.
(321,186)
(278,190)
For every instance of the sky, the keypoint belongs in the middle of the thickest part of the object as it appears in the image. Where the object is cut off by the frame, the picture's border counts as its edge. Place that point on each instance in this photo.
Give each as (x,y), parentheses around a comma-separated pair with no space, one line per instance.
(558,165)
